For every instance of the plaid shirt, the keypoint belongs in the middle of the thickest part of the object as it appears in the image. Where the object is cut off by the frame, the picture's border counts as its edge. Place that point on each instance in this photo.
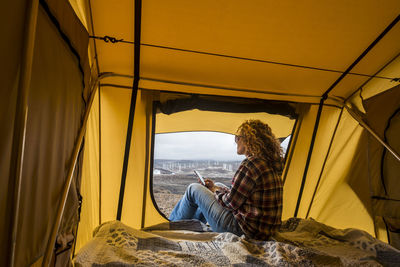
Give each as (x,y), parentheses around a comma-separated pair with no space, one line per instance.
(255,198)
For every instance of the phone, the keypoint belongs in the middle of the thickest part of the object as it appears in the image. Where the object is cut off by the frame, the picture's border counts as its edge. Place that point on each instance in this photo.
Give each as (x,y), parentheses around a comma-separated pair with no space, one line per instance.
(200,177)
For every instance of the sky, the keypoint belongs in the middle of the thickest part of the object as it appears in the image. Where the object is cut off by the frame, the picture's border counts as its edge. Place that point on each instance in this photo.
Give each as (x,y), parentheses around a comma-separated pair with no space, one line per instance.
(196,146)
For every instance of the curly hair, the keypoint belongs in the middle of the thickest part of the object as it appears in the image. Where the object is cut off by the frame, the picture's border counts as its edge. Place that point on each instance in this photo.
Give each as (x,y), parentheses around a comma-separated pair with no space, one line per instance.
(261,142)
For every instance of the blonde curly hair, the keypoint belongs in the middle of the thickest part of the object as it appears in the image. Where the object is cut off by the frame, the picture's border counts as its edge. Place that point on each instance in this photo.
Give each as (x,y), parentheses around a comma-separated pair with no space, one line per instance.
(261,142)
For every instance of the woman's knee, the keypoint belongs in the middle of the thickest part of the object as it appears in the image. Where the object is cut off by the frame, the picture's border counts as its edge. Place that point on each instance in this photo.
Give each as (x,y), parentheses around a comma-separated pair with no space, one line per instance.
(194,187)
(197,191)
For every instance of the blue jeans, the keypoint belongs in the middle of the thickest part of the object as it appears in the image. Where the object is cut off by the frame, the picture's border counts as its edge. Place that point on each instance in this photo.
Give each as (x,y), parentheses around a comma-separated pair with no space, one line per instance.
(199,203)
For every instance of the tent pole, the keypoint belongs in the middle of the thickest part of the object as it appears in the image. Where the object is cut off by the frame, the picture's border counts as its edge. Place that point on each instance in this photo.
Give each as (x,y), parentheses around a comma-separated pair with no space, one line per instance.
(71,169)
(21,117)
(372,132)
(149,110)
(98,71)
(100,171)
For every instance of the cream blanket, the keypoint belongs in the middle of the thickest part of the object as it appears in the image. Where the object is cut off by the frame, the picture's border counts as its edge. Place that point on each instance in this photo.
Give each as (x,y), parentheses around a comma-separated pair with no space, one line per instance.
(189,243)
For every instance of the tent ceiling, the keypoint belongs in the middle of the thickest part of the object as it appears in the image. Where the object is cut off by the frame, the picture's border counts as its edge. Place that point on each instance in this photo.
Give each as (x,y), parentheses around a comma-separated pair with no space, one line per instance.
(321,34)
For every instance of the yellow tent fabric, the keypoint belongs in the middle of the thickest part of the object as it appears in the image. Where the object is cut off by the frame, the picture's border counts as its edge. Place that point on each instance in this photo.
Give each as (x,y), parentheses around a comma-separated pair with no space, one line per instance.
(195,120)
(321,35)
(343,191)
(316,55)
(294,53)
(114,119)
(297,165)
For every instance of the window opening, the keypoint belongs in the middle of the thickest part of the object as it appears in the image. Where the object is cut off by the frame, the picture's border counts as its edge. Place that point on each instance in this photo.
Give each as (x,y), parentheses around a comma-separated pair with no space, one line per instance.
(177,155)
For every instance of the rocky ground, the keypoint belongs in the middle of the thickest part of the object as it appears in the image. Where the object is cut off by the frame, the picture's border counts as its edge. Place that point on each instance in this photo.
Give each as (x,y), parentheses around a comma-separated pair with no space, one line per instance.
(168,189)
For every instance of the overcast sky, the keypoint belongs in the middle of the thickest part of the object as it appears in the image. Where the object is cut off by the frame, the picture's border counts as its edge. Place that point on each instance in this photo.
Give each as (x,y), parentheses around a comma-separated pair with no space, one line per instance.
(196,146)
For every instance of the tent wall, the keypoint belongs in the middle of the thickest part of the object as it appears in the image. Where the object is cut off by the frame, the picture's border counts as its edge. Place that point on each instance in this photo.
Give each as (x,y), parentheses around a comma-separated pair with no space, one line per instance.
(295,170)
(114,120)
(12,25)
(104,151)
(138,207)
(56,102)
(382,114)
(329,119)
(133,202)
(114,103)
(55,105)
(293,173)
(342,199)
(113,113)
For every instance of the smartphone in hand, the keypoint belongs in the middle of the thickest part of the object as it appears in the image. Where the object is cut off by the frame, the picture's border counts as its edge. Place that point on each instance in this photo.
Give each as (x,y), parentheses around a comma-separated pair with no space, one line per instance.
(200,177)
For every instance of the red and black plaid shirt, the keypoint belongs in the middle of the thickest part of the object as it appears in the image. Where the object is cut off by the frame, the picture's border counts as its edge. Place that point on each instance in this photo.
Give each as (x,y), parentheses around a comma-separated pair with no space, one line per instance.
(255,198)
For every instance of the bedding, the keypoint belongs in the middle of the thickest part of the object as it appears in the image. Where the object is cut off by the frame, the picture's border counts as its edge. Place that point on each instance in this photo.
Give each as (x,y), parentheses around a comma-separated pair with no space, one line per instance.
(300,242)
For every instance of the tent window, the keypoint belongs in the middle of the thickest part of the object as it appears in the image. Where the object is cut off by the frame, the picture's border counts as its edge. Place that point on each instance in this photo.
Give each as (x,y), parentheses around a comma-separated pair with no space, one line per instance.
(201,141)
(196,132)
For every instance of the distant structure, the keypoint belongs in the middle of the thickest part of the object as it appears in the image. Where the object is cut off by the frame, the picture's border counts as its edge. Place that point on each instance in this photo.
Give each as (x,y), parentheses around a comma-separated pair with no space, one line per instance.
(161,171)
(227,167)
(209,168)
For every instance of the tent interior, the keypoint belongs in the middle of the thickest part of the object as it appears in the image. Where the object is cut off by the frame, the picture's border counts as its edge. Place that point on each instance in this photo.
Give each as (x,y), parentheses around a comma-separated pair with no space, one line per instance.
(87,86)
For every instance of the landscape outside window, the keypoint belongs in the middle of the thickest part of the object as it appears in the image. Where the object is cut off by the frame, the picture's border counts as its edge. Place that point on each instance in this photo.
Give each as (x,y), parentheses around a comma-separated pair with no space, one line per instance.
(177,155)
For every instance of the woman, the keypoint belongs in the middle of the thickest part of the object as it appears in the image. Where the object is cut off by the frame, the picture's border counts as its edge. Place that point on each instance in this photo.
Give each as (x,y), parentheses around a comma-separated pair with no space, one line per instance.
(253,204)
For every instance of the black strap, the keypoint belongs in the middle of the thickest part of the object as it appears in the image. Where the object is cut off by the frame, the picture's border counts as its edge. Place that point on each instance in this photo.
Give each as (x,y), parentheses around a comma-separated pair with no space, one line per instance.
(136,77)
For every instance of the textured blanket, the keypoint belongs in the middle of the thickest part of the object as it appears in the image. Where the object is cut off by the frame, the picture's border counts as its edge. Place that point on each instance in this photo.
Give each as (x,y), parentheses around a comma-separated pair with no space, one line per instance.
(190,243)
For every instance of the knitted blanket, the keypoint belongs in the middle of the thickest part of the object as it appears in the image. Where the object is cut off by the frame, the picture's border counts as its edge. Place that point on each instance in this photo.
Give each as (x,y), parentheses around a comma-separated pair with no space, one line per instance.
(299,242)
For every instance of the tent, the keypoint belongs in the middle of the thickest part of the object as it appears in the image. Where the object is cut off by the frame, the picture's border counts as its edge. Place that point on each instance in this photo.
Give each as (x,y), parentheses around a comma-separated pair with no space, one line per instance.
(87,84)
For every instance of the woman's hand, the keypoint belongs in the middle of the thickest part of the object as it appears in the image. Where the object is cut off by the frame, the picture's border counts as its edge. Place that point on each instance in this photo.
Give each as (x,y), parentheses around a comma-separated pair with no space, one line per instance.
(209,183)
(211,186)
